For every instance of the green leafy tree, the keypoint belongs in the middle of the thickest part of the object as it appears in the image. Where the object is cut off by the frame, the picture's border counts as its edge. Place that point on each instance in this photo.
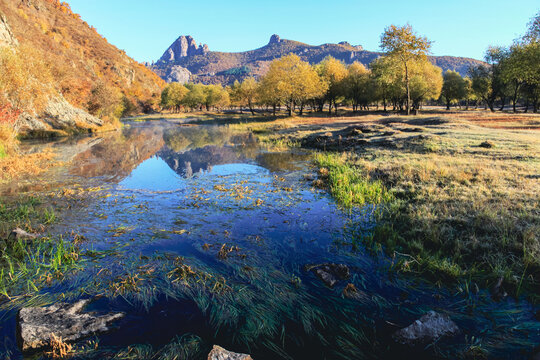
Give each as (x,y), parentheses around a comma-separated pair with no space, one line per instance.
(454,88)
(195,98)
(403,44)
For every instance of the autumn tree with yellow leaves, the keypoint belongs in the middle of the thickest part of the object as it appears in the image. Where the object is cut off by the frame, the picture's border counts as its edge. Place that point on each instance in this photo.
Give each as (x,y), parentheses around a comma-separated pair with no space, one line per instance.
(403,44)
(292,82)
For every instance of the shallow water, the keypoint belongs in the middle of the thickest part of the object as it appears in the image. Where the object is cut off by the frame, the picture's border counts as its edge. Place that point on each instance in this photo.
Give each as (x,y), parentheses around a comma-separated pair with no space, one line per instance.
(160,197)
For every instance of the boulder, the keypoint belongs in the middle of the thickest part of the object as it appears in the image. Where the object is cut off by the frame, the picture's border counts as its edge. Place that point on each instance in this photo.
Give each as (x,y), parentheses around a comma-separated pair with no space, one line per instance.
(177,73)
(427,329)
(20,234)
(219,353)
(35,325)
(330,274)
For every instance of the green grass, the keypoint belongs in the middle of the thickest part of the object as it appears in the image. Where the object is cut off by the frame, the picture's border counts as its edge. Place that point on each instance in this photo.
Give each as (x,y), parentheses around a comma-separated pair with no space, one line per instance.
(25,267)
(348,184)
(27,213)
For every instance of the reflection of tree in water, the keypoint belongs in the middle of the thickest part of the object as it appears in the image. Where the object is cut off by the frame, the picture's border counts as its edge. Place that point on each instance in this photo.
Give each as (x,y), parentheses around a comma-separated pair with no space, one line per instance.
(118,153)
(281,161)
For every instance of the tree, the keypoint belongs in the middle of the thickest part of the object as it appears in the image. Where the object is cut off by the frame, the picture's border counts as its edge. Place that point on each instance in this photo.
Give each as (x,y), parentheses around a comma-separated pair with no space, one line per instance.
(292,82)
(454,87)
(402,43)
(173,95)
(333,72)
(487,82)
(246,93)
(359,85)
(426,82)
(215,96)
(105,102)
(385,71)
(195,98)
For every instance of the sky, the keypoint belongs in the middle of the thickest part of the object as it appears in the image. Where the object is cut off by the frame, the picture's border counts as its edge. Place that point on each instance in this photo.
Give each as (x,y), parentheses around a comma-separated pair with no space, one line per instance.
(146,28)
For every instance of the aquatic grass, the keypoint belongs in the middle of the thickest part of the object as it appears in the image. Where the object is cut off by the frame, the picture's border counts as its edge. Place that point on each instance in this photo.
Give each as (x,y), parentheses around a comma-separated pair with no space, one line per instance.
(348,184)
(27,267)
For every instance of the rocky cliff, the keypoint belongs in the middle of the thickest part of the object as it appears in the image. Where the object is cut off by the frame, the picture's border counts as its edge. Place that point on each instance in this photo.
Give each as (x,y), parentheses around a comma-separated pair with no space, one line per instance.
(207,66)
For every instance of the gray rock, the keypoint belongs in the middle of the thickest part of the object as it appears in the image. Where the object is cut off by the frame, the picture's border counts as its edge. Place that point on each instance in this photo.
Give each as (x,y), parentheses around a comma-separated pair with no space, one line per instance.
(274,39)
(184,46)
(58,115)
(6,36)
(20,234)
(219,353)
(178,74)
(427,329)
(36,324)
(330,274)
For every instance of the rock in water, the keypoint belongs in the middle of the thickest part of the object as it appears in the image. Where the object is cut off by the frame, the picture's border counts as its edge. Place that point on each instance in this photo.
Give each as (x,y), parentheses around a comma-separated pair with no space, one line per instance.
(20,234)
(36,324)
(427,329)
(219,353)
(330,274)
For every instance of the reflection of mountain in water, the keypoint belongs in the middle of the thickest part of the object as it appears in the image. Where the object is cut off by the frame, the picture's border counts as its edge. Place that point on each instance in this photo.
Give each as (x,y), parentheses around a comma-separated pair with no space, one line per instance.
(190,150)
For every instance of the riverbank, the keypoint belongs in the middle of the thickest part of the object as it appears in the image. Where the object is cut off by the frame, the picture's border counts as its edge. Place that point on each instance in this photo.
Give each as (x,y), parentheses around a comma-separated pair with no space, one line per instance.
(459,193)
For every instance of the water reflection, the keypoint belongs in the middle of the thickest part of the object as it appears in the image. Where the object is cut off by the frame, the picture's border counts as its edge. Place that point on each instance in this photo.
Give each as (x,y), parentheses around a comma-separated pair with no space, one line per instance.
(149,148)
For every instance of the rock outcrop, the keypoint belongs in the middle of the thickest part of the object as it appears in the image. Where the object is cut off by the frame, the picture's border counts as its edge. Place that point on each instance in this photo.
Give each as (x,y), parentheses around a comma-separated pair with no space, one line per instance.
(58,117)
(177,73)
(219,353)
(6,36)
(274,39)
(36,324)
(184,46)
(427,329)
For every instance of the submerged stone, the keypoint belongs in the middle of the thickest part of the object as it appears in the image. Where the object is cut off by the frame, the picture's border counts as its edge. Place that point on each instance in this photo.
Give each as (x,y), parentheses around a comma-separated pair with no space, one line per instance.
(427,329)
(35,325)
(219,353)
(330,274)
(20,234)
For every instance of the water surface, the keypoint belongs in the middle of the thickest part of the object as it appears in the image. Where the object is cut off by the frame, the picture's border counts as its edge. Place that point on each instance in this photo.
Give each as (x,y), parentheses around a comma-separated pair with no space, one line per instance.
(200,230)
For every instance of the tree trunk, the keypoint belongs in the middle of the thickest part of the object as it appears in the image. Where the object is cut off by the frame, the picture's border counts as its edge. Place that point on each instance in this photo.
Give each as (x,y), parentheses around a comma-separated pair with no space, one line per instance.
(408,89)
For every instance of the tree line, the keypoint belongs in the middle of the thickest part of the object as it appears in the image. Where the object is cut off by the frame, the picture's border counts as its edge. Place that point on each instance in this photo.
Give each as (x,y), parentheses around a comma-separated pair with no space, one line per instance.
(403,79)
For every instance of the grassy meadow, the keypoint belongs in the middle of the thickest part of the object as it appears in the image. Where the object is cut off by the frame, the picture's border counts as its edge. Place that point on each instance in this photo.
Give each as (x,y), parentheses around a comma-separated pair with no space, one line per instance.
(458,194)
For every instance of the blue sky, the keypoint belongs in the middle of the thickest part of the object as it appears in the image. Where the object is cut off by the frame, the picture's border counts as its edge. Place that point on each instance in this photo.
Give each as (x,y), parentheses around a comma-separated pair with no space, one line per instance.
(145,29)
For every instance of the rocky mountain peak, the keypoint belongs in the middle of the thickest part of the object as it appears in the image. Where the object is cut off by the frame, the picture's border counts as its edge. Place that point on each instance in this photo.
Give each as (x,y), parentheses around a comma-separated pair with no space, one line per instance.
(274,39)
(184,46)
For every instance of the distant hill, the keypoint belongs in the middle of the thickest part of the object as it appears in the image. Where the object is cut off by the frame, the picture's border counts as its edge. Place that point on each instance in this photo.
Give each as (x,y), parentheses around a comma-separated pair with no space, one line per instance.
(80,60)
(184,60)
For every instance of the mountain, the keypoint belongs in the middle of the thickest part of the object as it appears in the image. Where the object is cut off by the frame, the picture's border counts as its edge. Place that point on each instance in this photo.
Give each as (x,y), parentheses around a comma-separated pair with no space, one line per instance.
(74,79)
(184,60)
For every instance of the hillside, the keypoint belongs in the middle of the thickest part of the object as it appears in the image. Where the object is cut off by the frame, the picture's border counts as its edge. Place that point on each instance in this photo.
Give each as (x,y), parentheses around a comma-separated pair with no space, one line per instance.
(184,60)
(73,78)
